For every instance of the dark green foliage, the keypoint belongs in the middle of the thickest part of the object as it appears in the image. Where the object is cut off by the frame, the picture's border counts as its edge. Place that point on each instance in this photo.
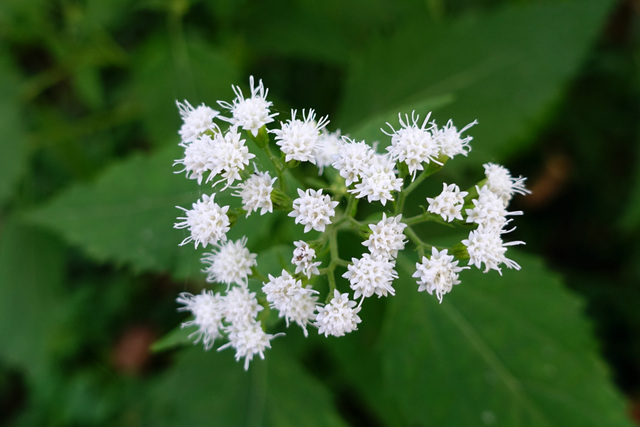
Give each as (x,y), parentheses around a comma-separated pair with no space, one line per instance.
(90,265)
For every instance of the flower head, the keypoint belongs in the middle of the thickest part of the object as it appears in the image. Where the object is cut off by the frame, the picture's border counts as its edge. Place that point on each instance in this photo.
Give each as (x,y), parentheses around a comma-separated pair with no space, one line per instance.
(313,209)
(387,237)
(369,275)
(500,182)
(240,306)
(207,310)
(379,180)
(231,155)
(450,139)
(256,193)
(294,302)
(488,210)
(448,204)
(339,317)
(413,144)
(438,274)
(199,158)
(231,263)
(298,139)
(250,113)
(303,256)
(195,121)
(485,246)
(207,222)
(248,339)
(328,149)
(353,159)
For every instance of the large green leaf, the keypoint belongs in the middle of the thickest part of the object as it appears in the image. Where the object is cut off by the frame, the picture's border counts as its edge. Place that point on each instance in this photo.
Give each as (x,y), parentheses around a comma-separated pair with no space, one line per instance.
(31,272)
(511,350)
(213,389)
(127,215)
(505,68)
(13,149)
(171,68)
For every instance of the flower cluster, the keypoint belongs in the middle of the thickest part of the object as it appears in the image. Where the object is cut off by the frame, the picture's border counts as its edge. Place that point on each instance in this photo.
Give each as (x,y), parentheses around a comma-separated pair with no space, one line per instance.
(264,168)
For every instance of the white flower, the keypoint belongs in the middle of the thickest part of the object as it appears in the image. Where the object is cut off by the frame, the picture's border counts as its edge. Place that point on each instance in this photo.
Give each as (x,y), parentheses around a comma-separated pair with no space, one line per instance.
(369,275)
(231,155)
(248,339)
(353,159)
(379,180)
(450,141)
(252,113)
(298,139)
(207,222)
(339,317)
(313,209)
(199,158)
(207,310)
(328,149)
(500,181)
(488,210)
(387,237)
(196,121)
(437,274)
(303,256)
(485,246)
(231,263)
(240,306)
(413,144)
(294,302)
(256,192)
(448,204)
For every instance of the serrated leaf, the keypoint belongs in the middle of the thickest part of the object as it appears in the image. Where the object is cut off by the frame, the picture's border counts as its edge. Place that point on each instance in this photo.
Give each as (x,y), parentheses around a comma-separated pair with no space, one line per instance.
(505,69)
(214,389)
(127,215)
(511,350)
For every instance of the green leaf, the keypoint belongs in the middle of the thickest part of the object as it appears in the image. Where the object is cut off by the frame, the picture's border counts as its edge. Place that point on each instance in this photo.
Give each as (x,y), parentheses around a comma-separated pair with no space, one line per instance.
(127,215)
(170,69)
(505,68)
(177,337)
(31,272)
(510,350)
(215,390)
(13,149)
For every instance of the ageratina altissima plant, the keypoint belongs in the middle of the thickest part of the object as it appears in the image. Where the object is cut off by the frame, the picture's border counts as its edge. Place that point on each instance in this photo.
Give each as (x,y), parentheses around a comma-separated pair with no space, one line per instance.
(217,155)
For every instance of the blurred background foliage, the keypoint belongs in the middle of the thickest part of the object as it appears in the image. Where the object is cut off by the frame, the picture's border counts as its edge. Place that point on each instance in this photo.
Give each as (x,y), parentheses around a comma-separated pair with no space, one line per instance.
(89,262)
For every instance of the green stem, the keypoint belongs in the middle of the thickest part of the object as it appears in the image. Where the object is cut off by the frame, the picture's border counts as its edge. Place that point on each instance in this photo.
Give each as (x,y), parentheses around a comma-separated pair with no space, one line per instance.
(428,171)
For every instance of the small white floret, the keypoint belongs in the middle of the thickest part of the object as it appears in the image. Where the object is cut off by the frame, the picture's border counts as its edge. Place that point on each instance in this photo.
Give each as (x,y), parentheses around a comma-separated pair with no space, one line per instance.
(195,121)
(449,203)
(208,311)
(231,263)
(256,193)
(413,144)
(387,237)
(313,209)
(298,139)
(437,274)
(369,275)
(207,222)
(251,113)
(303,258)
(339,317)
